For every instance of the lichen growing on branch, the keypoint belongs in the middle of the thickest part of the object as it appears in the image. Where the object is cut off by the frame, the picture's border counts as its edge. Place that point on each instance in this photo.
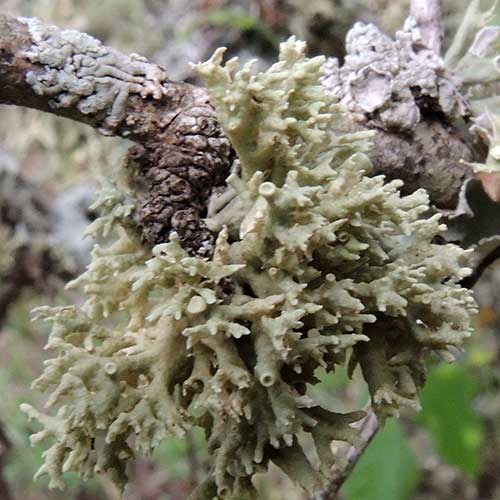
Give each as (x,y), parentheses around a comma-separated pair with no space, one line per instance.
(393,81)
(316,265)
(78,70)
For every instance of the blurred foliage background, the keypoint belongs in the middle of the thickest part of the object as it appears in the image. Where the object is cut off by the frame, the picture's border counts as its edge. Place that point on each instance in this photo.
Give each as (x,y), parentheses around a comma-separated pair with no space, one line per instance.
(451,450)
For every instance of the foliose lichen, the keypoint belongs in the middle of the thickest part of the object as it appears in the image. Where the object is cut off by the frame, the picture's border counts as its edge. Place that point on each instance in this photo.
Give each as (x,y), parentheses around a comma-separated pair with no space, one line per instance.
(392,81)
(78,70)
(316,264)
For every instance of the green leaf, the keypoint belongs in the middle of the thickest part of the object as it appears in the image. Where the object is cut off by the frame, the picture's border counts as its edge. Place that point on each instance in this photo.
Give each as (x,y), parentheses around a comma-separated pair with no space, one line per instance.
(233,18)
(388,470)
(449,417)
(241,21)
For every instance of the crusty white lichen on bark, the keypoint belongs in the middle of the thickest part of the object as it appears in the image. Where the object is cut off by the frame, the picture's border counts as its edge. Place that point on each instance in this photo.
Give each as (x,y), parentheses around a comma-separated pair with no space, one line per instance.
(79,71)
(386,79)
(422,105)
(478,65)
(403,90)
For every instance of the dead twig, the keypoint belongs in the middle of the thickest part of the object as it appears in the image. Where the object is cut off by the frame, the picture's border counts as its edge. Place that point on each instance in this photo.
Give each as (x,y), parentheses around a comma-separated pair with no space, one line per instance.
(367,427)
(428,14)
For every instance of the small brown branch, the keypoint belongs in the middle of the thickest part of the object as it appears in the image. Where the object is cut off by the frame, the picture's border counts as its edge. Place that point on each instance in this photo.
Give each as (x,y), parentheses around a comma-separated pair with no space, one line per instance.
(367,428)
(471,280)
(428,14)
(484,256)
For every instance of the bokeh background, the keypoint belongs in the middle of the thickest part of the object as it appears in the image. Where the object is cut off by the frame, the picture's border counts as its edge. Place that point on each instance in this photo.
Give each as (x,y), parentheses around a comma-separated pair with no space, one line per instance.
(48,172)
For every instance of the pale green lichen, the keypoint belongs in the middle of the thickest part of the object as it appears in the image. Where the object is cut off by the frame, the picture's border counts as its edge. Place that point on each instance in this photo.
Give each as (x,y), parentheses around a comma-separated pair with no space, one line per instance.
(316,264)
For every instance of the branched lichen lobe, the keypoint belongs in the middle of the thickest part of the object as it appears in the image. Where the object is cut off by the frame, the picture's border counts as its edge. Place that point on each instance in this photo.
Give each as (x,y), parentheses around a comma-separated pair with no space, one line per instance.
(316,264)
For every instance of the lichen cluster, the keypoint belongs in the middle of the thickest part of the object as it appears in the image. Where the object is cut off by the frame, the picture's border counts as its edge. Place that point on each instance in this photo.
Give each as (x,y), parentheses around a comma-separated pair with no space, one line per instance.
(78,70)
(390,79)
(316,264)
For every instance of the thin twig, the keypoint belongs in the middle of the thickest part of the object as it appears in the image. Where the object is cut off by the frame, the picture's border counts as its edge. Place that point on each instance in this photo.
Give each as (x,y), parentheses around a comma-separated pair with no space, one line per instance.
(193,460)
(428,14)
(367,427)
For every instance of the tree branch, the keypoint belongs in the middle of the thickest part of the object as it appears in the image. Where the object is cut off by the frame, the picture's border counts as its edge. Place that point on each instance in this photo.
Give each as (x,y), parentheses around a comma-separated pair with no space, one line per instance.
(19,68)
(37,70)
(428,15)
(181,152)
(367,428)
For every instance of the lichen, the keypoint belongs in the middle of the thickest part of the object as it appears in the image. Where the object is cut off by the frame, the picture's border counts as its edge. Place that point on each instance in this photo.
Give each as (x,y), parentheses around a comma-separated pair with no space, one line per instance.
(393,81)
(481,71)
(316,265)
(77,70)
